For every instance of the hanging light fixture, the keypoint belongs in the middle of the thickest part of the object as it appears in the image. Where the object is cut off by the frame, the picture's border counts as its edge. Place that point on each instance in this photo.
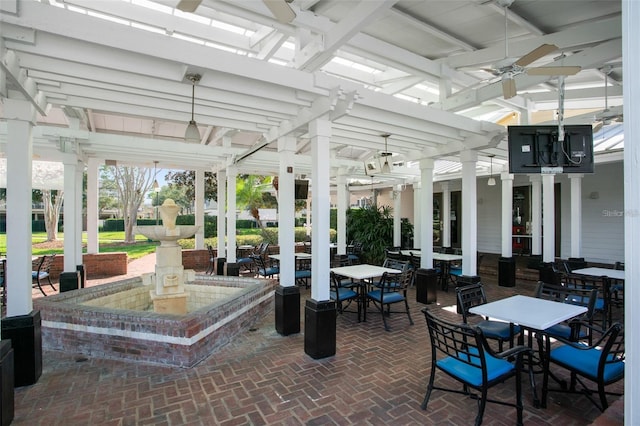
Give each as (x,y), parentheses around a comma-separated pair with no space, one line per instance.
(192,134)
(491,181)
(386,168)
(156,187)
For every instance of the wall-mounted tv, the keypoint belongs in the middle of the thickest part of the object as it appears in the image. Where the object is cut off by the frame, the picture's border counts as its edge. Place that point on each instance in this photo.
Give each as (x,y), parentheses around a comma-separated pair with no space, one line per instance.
(537,149)
(301,189)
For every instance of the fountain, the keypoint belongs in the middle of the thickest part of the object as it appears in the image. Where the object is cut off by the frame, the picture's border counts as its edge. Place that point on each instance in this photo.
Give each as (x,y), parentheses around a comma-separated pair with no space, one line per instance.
(170,317)
(168,295)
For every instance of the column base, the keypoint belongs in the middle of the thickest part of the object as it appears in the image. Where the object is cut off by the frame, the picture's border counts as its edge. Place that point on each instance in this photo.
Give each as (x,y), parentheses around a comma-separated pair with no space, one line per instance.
(287,309)
(25,334)
(426,286)
(507,272)
(69,281)
(6,383)
(320,328)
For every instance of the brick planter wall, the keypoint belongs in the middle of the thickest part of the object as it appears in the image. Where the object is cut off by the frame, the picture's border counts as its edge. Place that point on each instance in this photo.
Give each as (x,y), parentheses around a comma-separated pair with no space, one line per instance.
(95,265)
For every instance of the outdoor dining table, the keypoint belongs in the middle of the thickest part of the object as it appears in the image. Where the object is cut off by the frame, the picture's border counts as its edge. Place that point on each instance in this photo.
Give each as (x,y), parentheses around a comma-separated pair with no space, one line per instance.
(609,277)
(362,272)
(615,274)
(531,313)
(296,255)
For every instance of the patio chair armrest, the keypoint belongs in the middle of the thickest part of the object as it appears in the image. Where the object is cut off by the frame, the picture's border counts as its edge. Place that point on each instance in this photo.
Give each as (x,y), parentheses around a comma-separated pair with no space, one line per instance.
(512,352)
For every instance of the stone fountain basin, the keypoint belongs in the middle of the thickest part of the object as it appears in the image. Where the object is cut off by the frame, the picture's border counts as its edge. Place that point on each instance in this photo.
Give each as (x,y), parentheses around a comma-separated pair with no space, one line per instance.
(160,233)
(114,321)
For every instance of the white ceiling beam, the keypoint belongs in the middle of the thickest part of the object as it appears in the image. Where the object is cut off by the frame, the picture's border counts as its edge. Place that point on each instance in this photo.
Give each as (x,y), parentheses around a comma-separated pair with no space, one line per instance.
(270,45)
(401,85)
(320,51)
(20,81)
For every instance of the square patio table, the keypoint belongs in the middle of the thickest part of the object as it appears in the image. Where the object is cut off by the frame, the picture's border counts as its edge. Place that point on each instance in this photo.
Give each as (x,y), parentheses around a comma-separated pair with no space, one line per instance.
(615,274)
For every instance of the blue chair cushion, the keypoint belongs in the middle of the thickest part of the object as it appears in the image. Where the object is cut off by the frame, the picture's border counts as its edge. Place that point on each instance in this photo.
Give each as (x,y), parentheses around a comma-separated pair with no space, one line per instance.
(586,361)
(269,271)
(457,272)
(497,329)
(385,297)
(244,260)
(343,294)
(496,368)
(303,274)
(34,274)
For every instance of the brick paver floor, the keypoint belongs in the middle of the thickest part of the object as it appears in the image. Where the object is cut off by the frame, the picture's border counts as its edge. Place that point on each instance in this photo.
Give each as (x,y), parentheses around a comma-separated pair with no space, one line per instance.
(375,377)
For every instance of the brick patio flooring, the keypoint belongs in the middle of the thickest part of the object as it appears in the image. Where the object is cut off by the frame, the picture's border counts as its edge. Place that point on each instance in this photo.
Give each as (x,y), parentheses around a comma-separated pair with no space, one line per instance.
(376,378)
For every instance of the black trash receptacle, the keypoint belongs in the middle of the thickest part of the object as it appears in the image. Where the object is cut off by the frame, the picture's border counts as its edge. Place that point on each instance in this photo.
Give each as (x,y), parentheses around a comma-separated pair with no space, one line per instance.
(507,272)
(232,269)
(426,286)
(83,275)
(69,281)
(218,265)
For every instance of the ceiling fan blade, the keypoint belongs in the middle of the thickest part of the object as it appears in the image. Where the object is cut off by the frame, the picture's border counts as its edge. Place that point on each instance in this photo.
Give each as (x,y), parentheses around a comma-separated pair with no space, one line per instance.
(281,10)
(597,126)
(536,54)
(568,70)
(508,87)
(188,5)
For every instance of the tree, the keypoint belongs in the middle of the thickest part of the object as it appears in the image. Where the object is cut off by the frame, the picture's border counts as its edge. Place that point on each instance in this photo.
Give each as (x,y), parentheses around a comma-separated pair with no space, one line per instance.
(52,201)
(251,193)
(131,183)
(187,179)
(176,193)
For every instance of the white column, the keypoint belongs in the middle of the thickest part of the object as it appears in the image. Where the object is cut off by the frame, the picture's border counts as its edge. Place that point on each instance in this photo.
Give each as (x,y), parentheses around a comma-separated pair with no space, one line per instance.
(343,203)
(232,173)
(631,92)
(469,212)
(21,118)
(536,214)
(320,133)
(222,208)
(199,208)
(286,210)
(417,215)
(79,210)
(548,219)
(507,215)
(445,219)
(426,213)
(70,211)
(93,190)
(576,214)
(309,218)
(397,216)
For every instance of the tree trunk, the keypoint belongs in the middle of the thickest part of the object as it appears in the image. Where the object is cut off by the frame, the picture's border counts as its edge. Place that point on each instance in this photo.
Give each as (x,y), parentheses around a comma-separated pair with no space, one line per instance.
(52,212)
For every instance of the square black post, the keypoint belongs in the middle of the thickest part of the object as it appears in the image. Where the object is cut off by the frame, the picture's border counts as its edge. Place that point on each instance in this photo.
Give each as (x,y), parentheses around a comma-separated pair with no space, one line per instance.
(25,334)
(287,310)
(218,265)
(6,383)
(549,274)
(83,276)
(232,269)
(320,328)
(426,286)
(69,281)
(507,272)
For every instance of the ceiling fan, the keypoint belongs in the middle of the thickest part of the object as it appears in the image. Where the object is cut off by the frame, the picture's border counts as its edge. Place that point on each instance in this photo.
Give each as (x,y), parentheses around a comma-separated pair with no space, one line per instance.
(279,8)
(508,67)
(607,115)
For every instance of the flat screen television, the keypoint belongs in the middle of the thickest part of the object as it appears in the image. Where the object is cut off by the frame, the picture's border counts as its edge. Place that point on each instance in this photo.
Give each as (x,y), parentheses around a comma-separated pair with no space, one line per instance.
(301,189)
(537,149)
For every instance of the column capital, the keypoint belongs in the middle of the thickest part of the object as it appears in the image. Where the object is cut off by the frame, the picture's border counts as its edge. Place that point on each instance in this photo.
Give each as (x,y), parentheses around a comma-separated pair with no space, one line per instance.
(535,178)
(506,176)
(426,163)
(20,110)
(468,155)
(575,175)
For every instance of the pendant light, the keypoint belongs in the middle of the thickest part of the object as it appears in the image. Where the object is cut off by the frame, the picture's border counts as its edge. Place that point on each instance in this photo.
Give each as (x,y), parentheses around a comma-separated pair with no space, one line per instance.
(491,181)
(192,135)
(386,168)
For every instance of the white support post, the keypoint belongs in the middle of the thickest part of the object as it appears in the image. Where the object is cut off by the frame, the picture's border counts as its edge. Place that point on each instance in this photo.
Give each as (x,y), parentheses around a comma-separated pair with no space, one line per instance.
(93,189)
(576,214)
(536,214)
(548,215)
(397,216)
(445,219)
(232,173)
(417,213)
(78,203)
(426,213)
(70,211)
(469,212)
(221,220)
(343,204)
(286,210)
(199,209)
(507,215)
(21,118)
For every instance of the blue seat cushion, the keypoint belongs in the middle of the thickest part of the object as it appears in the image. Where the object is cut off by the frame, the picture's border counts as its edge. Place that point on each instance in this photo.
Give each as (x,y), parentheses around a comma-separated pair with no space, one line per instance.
(472,374)
(586,362)
(343,294)
(34,274)
(386,297)
(497,329)
(269,271)
(457,272)
(244,260)
(563,331)
(303,274)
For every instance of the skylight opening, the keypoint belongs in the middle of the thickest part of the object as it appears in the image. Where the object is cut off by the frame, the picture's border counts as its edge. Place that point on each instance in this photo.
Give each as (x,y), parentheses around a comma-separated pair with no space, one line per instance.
(228,27)
(278,62)
(192,17)
(188,38)
(76,9)
(153,6)
(428,89)
(288,45)
(407,98)
(56,4)
(223,47)
(108,17)
(148,28)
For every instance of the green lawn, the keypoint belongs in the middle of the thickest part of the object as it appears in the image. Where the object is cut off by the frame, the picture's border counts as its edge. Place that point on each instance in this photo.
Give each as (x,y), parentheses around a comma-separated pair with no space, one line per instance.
(108,241)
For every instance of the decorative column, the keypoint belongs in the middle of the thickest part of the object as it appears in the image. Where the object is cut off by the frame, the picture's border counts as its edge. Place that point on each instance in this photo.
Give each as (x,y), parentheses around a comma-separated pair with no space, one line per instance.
(397,213)
(343,204)
(507,263)
(417,215)
(469,215)
(232,173)
(93,189)
(445,220)
(426,280)
(576,217)
(548,215)
(22,325)
(287,294)
(199,209)
(536,215)
(320,310)
(221,219)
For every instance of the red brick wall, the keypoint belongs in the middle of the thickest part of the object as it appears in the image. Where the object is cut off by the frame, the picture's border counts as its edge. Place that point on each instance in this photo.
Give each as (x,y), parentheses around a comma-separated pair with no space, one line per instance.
(95,265)
(198,260)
